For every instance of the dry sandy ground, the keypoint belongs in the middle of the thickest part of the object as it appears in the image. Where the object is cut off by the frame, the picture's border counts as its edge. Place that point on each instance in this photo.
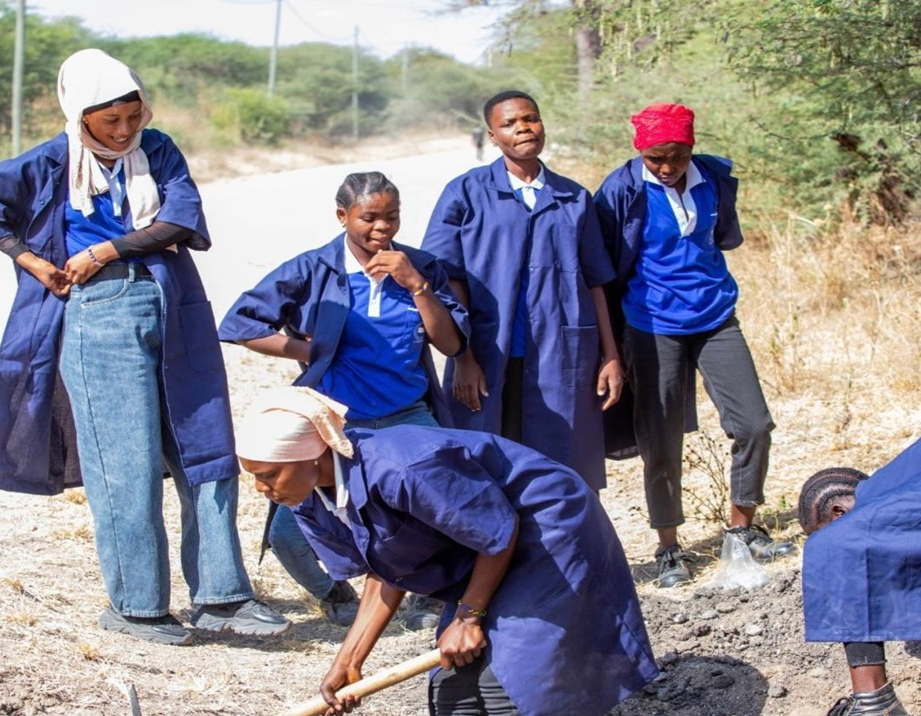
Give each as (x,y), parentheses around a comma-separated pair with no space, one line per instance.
(722,653)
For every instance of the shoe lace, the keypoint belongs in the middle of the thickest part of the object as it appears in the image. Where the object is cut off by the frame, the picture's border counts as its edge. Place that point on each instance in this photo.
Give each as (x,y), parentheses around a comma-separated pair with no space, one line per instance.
(671,555)
(842,706)
(752,533)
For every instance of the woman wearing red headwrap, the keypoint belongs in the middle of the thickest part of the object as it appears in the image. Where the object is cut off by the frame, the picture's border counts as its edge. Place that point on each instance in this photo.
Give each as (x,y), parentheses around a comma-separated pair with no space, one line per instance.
(667,216)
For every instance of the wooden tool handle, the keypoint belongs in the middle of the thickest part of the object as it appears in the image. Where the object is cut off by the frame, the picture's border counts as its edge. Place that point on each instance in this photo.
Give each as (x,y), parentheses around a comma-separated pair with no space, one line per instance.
(372,684)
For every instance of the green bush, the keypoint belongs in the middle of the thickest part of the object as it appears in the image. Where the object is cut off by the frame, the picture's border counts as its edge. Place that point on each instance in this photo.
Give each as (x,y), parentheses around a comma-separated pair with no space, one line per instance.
(252,115)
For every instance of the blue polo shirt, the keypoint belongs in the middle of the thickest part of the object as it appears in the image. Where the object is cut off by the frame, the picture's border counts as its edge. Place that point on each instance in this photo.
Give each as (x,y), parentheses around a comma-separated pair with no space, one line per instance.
(378,367)
(682,284)
(105,223)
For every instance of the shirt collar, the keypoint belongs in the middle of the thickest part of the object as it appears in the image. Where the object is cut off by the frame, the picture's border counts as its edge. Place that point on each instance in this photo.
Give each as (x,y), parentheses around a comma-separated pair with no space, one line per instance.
(537,184)
(352,265)
(693,174)
(342,494)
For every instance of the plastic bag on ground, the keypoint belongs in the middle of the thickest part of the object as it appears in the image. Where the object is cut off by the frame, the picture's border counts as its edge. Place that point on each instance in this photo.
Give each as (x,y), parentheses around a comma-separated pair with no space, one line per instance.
(737,567)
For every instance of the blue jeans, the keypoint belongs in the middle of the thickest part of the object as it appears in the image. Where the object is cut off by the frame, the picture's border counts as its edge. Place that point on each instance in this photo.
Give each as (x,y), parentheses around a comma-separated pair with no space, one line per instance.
(110,363)
(288,542)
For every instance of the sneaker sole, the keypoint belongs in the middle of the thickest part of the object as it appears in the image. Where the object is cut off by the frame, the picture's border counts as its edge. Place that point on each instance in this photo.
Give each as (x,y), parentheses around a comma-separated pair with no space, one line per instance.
(218,624)
(108,623)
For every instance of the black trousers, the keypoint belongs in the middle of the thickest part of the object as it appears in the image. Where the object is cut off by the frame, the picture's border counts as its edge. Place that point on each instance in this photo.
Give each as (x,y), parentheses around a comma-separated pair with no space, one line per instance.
(472,690)
(657,368)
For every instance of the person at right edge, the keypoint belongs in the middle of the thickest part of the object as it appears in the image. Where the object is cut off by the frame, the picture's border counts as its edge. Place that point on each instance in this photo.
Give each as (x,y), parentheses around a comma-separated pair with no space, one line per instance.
(667,217)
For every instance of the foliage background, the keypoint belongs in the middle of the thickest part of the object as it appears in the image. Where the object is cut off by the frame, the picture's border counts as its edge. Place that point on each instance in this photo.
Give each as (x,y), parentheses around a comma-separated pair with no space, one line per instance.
(815,100)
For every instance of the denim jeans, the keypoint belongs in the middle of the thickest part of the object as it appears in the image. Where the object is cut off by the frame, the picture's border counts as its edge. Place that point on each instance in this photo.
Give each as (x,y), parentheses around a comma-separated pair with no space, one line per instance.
(110,366)
(657,368)
(288,543)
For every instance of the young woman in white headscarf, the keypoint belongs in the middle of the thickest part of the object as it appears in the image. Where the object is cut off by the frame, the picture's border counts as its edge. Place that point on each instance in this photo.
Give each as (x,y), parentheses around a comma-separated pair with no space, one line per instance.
(109,306)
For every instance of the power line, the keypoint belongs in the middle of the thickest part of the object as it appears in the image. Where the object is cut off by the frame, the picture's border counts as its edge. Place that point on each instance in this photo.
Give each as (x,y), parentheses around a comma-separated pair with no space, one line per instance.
(314,30)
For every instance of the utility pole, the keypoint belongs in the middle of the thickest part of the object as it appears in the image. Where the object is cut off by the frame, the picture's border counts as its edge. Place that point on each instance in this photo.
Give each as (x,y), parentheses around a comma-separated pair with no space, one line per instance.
(18,62)
(355,85)
(273,57)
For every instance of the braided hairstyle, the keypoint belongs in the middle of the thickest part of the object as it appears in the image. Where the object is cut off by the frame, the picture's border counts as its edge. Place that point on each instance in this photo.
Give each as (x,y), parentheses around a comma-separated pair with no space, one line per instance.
(820,491)
(505,97)
(363,184)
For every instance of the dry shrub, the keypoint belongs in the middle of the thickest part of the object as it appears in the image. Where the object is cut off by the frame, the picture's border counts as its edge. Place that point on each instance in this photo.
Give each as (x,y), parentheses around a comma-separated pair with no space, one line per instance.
(833,320)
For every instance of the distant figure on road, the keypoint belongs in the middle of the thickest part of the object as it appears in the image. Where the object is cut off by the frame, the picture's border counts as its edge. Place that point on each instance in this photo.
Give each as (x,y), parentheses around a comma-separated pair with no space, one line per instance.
(359,315)
(109,305)
(479,139)
(667,216)
(524,252)
(861,584)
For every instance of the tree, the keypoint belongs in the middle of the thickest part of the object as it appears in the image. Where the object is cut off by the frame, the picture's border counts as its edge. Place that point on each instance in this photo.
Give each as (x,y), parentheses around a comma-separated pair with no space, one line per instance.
(849,73)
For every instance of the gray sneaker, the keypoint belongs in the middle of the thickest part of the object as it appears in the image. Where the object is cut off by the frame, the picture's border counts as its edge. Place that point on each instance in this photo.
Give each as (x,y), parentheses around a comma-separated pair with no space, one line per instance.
(760,543)
(159,630)
(882,702)
(672,566)
(422,613)
(249,617)
(341,605)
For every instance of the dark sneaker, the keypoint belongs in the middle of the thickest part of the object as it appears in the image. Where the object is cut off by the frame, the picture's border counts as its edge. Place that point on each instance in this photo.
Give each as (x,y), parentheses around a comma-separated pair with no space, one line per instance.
(159,630)
(422,613)
(882,702)
(248,617)
(760,544)
(341,605)
(672,565)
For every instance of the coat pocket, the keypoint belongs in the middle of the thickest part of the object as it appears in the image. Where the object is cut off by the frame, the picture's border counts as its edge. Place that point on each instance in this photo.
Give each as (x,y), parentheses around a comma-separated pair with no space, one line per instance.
(580,347)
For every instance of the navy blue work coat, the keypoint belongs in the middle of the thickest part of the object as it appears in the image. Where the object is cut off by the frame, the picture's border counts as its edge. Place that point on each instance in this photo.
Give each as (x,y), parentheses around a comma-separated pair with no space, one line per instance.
(564,628)
(38,452)
(862,572)
(308,297)
(483,235)
(622,205)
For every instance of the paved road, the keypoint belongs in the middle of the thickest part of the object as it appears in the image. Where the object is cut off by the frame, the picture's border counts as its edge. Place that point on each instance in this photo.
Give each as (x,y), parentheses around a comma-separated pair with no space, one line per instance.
(256,222)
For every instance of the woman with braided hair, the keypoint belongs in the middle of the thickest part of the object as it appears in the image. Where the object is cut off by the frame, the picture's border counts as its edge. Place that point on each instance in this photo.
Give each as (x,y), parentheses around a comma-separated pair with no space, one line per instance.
(359,315)
(862,571)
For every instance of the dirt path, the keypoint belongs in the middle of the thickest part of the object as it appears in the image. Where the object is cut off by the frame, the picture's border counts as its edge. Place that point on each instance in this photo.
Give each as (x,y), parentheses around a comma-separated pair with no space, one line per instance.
(723,654)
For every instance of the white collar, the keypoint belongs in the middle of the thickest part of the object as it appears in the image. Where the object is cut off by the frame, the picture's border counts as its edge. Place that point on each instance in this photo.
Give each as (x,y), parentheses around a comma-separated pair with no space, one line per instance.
(342,494)
(352,264)
(537,184)
(694,177)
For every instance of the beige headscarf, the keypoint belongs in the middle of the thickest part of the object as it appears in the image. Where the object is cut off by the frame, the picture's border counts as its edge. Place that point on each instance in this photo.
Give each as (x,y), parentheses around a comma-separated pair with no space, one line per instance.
(292,424)
(86,79)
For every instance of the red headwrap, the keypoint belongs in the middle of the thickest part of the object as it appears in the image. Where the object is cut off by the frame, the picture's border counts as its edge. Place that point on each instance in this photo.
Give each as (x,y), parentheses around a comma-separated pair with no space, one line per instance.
(663,123)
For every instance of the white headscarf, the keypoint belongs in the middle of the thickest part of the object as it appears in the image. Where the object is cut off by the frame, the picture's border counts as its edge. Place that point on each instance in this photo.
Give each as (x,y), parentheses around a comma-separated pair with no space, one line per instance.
(86,79)
(291,424)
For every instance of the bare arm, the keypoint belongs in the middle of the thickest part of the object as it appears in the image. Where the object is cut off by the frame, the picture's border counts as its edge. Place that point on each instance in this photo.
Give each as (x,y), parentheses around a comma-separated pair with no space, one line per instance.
(280,346)
(611,374)
(469,380)
(379,602)
(463,640)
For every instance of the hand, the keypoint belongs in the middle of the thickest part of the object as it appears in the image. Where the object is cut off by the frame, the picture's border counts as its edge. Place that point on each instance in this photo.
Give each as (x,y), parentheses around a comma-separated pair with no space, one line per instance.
(469,381)
(337,677)
(397,265)
(50,276)
(462,642)
(80,268)
(610,381)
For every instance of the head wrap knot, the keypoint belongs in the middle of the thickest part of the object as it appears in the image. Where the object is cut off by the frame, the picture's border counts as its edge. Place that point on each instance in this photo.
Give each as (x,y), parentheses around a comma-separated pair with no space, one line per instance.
(292,424)
(661,124)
